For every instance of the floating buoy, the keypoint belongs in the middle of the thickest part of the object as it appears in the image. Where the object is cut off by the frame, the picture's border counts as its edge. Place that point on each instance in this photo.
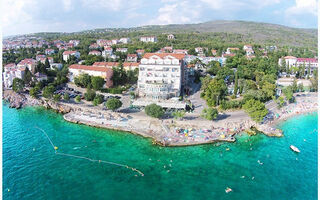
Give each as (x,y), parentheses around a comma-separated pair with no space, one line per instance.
(55,148)
(8,190)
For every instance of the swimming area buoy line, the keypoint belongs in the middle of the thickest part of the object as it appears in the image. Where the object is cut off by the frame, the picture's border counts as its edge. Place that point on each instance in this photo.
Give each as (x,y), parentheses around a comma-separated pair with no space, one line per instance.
(55,148)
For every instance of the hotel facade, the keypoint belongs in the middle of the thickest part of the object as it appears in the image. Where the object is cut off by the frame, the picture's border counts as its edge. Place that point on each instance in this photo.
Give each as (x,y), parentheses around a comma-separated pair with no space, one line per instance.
(161,75)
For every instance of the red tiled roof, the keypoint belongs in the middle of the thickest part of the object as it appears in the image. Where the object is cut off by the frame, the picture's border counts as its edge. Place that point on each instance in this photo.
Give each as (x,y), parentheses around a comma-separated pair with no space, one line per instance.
(162,55)
(89,68)
(132,55)
(289,57)
(10,65)
(68,52)
(307,60)
(27,61)
(106,64)
(130,64)
(94,51)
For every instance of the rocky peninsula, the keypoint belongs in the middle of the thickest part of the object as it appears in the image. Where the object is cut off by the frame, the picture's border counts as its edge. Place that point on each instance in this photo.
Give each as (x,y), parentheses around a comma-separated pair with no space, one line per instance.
(165,132)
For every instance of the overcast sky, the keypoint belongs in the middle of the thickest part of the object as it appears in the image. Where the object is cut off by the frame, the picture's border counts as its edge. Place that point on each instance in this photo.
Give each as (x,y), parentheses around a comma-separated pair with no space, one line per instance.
(29,16)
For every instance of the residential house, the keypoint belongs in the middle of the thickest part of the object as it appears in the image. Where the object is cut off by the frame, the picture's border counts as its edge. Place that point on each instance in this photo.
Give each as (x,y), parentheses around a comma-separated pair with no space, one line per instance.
(39,57)
(132,57)
(140,52)
(170,37)
(94,70)
(289,60)
(231,50)
(114,41)
(122,50)
(182,51)
(166,50)
(148,39)
(43,60)
(56,66)
(102,42)
(124,40)
(161,75)
(66,55)
(198,50)
(49,51)
(107,52)
(130,66)
(28,62)
(74,42)
(126,65)
(94,46)
(96,53)
(12,71)
(249,50)
(214,52)
(40,77)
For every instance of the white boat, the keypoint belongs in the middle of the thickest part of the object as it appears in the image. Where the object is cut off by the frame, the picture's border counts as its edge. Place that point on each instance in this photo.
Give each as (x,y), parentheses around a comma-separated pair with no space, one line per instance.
(228,190)
(295,149)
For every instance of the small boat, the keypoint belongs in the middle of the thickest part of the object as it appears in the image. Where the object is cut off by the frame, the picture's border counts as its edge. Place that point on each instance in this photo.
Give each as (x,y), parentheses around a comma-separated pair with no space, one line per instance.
(228,190)
(295,149)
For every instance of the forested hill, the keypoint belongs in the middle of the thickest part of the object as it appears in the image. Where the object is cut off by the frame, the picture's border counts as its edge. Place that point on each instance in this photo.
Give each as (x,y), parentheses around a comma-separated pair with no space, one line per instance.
(251,31)
(226,31)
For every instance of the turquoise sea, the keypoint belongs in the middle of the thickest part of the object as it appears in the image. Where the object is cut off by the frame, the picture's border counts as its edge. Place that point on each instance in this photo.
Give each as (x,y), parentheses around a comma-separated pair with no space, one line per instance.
(31,170)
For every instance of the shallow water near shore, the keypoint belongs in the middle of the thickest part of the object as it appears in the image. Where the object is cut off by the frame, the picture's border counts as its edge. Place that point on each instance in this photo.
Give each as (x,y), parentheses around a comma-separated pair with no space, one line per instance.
(31,170)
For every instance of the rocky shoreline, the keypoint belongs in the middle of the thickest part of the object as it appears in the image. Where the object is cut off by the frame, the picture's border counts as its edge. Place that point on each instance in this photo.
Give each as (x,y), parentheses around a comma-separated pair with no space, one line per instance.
(163,132)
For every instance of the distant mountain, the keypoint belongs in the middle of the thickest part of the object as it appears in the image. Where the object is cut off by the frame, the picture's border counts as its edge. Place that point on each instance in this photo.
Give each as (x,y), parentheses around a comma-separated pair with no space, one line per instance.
(244,31)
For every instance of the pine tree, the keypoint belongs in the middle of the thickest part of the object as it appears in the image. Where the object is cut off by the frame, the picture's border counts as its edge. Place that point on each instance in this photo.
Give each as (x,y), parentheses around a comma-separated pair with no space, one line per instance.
(235,92)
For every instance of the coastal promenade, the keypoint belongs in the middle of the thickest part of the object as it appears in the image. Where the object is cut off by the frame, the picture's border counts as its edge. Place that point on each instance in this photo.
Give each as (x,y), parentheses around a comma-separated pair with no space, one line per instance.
(191,130)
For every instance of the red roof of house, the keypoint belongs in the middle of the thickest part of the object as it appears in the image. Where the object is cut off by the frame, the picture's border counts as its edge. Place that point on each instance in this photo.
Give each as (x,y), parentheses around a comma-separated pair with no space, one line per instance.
(307,60)
(105,64)
(68,52)
(132,55)
(289,57)
(130,64)
(89,68)
(10,65)
(163,55)
(95,51)
(27,61)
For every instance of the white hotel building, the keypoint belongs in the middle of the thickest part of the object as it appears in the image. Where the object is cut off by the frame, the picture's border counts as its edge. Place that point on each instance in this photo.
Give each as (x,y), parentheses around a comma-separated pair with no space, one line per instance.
(161,75)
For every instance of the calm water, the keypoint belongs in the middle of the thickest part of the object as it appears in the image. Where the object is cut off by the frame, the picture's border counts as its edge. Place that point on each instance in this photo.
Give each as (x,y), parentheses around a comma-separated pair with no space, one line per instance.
(32,171)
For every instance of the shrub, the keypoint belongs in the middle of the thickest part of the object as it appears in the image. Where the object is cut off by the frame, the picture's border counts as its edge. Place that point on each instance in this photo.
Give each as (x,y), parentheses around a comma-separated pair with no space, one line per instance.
(90,95)
(78,98)
(97,82)
(98,100)
(33,92)
(113,104)
(210,113)
(48,91)
(66,97)
(17,85)
(178,114)
(56,97)
(153,110)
